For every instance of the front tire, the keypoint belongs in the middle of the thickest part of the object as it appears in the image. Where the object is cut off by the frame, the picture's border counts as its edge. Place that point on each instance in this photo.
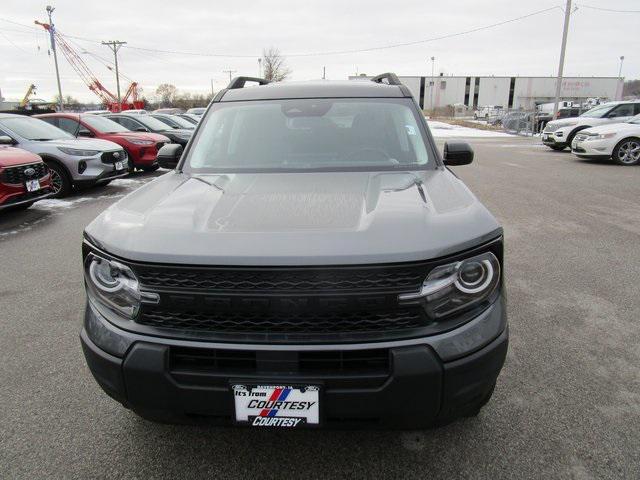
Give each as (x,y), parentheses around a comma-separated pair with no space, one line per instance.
(557,148)
(627,152)
(60,180)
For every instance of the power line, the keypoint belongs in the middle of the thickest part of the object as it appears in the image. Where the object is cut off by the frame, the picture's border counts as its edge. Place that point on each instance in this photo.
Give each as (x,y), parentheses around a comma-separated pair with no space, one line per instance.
(318,54)
(602,9)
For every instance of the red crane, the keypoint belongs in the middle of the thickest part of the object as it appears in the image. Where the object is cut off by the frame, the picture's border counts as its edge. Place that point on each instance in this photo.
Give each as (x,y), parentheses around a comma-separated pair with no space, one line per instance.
(87,76)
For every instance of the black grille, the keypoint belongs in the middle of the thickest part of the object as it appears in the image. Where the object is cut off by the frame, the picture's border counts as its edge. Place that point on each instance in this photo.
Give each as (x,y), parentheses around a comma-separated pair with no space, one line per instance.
(286,322)
(110,157)
(305,362)
(402,278)
(16,174)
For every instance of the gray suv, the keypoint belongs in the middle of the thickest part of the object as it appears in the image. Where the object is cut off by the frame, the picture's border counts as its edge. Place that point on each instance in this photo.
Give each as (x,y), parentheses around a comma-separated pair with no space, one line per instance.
(73,162)
(310,261)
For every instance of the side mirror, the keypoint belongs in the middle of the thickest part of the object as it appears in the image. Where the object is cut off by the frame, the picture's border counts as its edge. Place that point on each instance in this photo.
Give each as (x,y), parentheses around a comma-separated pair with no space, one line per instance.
(85,133)
(141,129)
(7,140)
(169,155)
(457,153)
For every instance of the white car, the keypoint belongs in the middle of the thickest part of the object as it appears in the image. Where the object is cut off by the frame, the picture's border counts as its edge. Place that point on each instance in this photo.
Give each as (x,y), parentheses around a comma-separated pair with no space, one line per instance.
(620,141)
(558,134)
(487,111)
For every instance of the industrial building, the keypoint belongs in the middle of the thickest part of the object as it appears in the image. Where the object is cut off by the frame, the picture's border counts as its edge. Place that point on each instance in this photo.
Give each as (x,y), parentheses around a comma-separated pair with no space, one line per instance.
(508,92)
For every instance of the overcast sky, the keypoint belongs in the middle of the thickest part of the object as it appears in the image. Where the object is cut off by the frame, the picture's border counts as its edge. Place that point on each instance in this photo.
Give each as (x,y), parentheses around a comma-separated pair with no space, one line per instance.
(529,46)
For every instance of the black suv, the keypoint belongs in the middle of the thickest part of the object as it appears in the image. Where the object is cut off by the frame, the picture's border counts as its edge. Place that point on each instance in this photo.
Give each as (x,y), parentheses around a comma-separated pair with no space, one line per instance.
(311,260)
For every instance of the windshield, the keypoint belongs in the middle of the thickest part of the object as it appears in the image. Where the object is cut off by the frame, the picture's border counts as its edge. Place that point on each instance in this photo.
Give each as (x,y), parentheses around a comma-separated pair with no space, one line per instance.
(103,125)
(635,120)
(597,112)
(34,129)
(176,122)
(151,123)
(310,134)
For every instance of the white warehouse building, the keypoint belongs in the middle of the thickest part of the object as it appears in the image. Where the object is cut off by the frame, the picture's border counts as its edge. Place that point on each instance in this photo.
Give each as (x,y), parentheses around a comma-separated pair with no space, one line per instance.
(508,92)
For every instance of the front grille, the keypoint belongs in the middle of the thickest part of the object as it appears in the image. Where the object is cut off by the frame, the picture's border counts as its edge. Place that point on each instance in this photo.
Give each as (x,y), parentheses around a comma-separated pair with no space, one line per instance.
(16,175)
(404,278)
(111,158)
(266,322)
(335,362)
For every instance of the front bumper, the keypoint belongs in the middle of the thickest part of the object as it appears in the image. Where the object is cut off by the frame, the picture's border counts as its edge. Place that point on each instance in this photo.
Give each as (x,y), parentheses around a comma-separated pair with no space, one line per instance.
(554,139)
(591,148)
(427,381)
(14,196)
(91,170)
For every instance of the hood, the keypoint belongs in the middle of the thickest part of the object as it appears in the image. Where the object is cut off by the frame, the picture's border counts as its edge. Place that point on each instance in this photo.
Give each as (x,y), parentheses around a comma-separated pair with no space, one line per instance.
(10,156)
(84,143)
(295,219)
(155,137)
(182,131)
(614,128)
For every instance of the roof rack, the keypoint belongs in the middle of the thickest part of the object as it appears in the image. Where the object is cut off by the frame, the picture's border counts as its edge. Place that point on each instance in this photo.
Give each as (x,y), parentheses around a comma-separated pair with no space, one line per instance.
(238,82)
(391,79)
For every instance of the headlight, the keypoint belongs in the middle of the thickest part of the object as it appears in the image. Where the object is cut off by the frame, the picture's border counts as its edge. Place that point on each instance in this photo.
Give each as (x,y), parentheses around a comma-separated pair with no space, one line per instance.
(78,152)
(113,285)
(457,285)
(142,142)
(600,136)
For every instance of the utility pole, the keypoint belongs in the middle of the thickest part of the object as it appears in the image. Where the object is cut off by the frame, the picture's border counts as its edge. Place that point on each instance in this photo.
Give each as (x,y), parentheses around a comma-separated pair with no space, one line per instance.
(324,73)
(433,82)
(620,70)
(50,10)
(260,67)
(565,32)
(230,72)
(115,45)
(212,94)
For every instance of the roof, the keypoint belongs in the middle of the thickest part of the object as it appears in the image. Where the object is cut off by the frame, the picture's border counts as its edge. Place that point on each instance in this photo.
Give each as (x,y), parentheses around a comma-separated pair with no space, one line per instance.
(314,89)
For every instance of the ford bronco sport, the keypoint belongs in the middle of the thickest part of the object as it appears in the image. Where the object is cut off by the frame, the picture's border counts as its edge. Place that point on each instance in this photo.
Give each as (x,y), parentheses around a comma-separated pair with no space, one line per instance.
(310,261)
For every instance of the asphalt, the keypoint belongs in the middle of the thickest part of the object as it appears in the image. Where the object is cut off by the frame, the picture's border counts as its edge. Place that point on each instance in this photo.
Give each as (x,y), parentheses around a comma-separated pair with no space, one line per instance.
(567,404)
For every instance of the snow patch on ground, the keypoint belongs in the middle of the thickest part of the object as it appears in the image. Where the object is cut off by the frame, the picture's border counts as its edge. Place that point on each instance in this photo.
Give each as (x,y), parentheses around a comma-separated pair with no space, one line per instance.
(55,204)
(445,130)
(125,182)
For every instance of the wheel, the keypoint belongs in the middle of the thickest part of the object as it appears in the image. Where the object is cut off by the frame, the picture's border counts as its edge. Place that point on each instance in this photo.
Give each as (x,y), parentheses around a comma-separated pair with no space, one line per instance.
(151,168)
(627,152)
(557,148)
(60,181)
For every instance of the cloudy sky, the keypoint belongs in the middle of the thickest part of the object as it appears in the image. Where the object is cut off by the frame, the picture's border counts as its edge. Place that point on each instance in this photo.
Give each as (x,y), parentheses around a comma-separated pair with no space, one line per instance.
(209,37)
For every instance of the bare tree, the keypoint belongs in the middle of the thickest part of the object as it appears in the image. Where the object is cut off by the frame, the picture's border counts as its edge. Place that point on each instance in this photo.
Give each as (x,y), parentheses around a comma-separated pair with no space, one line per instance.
(167,93)
(275,68)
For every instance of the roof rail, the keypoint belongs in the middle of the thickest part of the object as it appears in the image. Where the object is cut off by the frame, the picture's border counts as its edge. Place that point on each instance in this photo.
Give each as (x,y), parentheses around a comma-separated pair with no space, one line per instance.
(238,82)
(391,79)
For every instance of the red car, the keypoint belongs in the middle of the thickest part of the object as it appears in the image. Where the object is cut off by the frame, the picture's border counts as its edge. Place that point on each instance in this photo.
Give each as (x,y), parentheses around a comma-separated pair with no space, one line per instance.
(142,147)
(24,178)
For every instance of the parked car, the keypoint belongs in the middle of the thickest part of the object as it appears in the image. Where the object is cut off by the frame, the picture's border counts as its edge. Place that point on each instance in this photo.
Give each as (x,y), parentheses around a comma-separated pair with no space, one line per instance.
(169,111)
(174,121)
(198,111)
(146,123)
(487,111)
(311,261)
(620,141)
(24,178)
(193,119)
(73,162)
(141,147)
(135,112)
(559,134)
(97,112)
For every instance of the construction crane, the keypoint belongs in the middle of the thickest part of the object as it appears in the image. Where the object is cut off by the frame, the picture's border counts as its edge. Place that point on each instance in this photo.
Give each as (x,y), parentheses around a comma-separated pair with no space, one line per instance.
(30,91)
(129,101)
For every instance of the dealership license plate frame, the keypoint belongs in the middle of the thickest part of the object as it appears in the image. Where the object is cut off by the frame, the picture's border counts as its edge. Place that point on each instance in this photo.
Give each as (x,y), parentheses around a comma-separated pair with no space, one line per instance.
(119,165)
(32,185)
(252,386)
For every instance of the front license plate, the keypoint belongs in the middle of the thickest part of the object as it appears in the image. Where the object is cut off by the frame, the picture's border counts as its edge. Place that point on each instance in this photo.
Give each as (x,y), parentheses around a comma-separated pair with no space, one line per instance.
(281,406)
(33,185)
(119,166)
(545,136)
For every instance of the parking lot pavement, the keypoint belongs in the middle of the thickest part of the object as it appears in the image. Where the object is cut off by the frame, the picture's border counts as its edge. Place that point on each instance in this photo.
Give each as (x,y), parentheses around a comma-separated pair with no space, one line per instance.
(567,404)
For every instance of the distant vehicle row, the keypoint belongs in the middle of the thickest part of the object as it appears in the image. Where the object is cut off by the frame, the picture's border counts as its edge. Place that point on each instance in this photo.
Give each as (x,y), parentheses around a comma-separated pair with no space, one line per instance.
(610,130)
(72,150)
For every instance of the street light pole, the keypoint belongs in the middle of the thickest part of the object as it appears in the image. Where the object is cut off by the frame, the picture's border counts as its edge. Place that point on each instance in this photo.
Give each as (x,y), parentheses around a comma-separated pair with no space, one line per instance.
(50,10)
(115,45)
(433,83)
(620,70)
(565,32)
(260,67)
